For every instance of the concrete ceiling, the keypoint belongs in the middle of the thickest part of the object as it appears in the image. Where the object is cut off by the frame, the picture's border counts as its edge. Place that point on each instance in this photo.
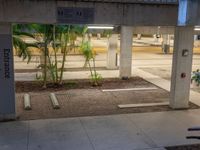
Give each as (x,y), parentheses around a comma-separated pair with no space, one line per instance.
(135,1)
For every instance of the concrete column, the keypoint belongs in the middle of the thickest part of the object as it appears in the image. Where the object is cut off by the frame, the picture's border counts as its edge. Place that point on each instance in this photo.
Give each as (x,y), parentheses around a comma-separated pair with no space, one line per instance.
(90,36)
(166,44)
(112,52)
(181,67)
(126,40)
(139,36)
(155,38)
(195,37)
(196,41)
(7,86)
(98,36)
(86,37)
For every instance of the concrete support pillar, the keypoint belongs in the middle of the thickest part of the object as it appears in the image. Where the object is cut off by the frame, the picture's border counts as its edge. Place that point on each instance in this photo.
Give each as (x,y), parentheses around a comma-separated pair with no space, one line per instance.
(90,36)
(195,37)
(166,43)
(139,36)
(7,86)
(98,36)
(126,40)
(86,37)
(181,67)
(112,52)
(155,38)
(196,41)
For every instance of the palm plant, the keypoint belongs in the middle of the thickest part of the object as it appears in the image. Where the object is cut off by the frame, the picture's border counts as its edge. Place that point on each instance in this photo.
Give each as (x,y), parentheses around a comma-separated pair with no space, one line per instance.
(44,35)
(66,36)
(55,49)
(21,46)
(87,52)
(58,36)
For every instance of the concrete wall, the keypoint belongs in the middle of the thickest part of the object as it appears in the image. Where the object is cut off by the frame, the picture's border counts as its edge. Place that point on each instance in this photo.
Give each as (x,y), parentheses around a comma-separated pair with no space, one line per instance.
(29,11)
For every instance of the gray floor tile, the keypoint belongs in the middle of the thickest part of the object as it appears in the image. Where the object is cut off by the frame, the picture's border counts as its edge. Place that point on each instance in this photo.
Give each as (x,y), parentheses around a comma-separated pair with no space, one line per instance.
(189,118)
(55,125)
(115,133)
(13,135)
(163,127)
(144,131)
(58,134)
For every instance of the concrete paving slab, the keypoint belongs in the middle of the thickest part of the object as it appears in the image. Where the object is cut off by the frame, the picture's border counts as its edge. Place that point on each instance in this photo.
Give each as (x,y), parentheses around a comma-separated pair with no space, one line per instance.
(55,125)
(164,84)
(13,135)
(130,89)
(13,146)
(164,128)
(115,133)
(74,140)
(58,134)
(142,131)
(193,119)
(143,105)
(160,82)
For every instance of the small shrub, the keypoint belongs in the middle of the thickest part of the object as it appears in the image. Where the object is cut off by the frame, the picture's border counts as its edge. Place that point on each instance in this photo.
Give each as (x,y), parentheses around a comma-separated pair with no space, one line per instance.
(89,55)
(96,79)
(196,77)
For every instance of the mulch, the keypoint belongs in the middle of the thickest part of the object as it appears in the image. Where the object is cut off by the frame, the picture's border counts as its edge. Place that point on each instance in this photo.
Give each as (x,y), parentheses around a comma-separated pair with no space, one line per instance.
(78,98)
(36,86)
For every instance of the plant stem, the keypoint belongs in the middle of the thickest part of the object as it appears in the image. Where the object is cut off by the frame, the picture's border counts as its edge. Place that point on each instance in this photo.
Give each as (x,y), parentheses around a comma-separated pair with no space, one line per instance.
(63,66)
(95,72)
(51,68)
(65,53)
(45,66)
(91,72)
(55,53)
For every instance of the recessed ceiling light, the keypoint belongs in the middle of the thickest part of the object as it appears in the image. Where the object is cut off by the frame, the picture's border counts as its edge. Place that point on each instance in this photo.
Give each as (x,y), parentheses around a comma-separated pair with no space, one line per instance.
(100,27)
(197,29)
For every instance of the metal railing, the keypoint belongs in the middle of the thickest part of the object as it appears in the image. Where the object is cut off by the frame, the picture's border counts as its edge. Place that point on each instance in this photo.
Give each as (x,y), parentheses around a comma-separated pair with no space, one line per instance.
(194,129)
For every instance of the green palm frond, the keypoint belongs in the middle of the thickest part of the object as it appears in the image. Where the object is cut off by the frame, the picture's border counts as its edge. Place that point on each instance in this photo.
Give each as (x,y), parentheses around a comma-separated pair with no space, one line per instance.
(18,33)
(86,50)
(23,48)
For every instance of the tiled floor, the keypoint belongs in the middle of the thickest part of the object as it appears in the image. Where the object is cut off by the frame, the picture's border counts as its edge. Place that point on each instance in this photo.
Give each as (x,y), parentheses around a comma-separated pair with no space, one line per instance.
(144,131)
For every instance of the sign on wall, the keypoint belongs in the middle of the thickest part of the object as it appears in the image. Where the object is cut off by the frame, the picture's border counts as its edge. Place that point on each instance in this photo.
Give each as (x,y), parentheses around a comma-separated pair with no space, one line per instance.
(7,92)
(75,15)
